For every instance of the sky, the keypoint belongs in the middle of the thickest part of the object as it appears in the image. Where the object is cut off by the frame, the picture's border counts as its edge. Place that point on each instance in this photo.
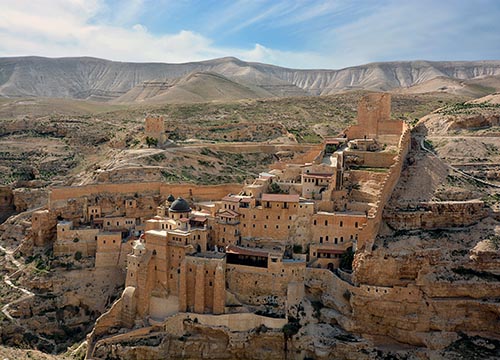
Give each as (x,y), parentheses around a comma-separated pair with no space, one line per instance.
(306,34)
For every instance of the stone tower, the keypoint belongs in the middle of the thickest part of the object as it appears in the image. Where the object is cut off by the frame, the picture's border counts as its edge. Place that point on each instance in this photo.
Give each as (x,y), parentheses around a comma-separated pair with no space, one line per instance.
(155,128)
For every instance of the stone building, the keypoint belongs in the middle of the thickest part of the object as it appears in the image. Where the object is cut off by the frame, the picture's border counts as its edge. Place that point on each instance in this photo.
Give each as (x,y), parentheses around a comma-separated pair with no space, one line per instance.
(154,127)
(249,251)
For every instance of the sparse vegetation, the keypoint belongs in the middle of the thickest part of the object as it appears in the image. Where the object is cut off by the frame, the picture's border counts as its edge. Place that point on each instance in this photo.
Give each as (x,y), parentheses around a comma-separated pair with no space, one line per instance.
(151,142)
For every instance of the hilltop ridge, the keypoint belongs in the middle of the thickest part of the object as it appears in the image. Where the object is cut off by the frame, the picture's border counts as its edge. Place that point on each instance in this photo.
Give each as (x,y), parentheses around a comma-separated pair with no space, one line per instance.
(103,80)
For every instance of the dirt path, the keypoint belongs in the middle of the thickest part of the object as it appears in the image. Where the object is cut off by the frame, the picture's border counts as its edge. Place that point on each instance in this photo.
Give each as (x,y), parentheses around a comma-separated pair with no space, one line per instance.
(26,293)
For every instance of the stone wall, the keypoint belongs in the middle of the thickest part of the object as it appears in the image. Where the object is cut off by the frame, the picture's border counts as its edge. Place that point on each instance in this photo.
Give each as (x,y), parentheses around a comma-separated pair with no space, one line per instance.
(264,286)
(387,186)
(202,285)
(436,215)
(60,195)
(43,227)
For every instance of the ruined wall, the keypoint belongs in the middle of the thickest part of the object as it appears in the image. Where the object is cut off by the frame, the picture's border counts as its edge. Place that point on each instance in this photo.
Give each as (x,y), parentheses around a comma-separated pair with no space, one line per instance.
(436,215)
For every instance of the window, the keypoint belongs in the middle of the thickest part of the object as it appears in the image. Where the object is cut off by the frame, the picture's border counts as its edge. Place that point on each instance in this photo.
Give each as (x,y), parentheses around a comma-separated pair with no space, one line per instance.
(278,217)
(326,238)
(321,239)
(277,226)
(356,224)
(265,226)
(314,222)
(326,222)
(341,239)
(336,241)
(341,224)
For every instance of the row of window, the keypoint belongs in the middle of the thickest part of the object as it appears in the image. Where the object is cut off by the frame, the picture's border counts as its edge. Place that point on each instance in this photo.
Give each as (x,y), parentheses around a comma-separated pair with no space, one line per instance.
(336,240)
(341,223)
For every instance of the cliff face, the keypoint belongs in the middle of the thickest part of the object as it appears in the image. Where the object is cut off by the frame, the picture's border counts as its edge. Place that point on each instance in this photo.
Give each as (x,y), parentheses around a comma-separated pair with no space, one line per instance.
(97,79)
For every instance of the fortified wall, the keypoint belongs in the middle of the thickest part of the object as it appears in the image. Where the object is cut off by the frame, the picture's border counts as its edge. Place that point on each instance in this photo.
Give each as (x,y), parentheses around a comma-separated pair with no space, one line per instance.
(372,107)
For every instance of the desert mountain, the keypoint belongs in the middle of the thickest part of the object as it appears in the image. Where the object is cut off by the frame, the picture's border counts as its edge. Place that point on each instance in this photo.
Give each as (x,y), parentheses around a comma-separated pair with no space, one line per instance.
(475,87)
(98,79)
(194,87)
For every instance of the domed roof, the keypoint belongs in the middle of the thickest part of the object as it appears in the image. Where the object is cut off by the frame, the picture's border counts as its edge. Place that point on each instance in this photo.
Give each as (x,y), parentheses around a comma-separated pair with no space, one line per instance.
(180,205)
(171,198)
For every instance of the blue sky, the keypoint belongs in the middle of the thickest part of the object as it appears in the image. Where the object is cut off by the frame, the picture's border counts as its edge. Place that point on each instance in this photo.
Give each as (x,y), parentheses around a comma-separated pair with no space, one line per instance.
(301,34)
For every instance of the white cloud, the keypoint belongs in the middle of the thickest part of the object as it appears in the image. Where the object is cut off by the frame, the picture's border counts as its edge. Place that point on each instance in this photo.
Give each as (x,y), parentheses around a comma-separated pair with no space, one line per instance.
(425,30)
(68,28)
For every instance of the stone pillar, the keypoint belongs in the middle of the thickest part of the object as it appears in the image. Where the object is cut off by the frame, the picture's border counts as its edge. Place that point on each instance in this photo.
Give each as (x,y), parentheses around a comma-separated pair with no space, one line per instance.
(199,291)
(219,290)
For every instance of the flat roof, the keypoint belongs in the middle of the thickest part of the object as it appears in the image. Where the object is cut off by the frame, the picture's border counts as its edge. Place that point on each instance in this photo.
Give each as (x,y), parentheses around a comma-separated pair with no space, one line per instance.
(157,232)
(231,198)
(281,197)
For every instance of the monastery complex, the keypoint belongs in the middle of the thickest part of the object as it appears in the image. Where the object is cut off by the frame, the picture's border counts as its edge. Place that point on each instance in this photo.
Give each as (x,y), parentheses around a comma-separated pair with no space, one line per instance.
(244,250)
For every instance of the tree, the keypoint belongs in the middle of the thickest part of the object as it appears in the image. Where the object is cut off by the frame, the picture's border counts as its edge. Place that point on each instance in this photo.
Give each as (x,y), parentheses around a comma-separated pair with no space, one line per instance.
(275,189)
(347,259)
(151,141)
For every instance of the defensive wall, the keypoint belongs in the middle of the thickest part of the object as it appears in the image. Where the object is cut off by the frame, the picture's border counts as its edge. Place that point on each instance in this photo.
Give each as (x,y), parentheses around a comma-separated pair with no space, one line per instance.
(189,191)
(387,186)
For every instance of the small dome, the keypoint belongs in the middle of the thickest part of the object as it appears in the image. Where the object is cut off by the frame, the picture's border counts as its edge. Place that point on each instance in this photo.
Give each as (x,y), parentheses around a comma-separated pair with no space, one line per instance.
(180,205)
(171,198)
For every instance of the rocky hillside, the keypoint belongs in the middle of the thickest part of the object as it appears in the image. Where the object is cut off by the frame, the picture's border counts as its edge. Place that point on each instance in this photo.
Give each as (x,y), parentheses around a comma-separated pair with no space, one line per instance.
(98,79)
